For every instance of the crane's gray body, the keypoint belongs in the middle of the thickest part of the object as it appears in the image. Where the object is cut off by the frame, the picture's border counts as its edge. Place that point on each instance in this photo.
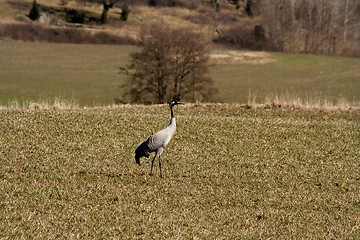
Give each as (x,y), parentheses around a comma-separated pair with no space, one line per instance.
(158,141)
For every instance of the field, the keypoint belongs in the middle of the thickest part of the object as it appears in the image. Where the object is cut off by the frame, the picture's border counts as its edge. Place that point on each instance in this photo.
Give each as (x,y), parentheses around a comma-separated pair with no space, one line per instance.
(230,172)
(307,77)
(89,74)
(277,157)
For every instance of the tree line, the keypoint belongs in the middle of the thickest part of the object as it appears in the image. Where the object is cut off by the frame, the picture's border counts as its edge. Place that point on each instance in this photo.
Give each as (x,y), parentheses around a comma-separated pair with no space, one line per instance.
(311,26)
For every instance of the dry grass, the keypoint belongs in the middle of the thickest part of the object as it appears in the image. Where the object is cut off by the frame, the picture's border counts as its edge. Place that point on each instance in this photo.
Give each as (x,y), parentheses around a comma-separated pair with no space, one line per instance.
(230,173)
(276,102)
(57,104)
(318,103)
(289,101)
(238,57)
(142,16)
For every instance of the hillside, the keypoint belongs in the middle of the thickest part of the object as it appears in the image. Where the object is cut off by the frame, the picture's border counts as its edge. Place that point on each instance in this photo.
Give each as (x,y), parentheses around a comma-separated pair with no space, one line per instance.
(199,19)
(229,172)
(318,27)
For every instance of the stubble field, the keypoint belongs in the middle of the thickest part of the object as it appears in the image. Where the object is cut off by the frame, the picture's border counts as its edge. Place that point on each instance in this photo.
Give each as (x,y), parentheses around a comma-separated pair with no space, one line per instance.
(230,172)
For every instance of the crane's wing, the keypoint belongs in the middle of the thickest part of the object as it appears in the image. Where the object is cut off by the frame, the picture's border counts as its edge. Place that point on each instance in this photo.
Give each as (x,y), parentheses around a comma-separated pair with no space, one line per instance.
(156,141)
(142,150)
(151,144)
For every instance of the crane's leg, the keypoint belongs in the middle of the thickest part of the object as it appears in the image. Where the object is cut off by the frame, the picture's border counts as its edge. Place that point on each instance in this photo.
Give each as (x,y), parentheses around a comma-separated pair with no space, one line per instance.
(160,166)
(152,164)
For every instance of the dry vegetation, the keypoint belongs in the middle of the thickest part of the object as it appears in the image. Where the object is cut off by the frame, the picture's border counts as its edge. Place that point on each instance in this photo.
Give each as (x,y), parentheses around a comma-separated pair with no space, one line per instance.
(234,57)
(12,25)
(38,33)
(230,173)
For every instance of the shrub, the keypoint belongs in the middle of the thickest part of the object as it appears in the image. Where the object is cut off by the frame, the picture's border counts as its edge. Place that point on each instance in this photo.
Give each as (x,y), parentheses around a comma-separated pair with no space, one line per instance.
(32,32)
(125,12)
(75,16)
(245,35)
(34,14)
(152,3)
(63,2)
(173,3)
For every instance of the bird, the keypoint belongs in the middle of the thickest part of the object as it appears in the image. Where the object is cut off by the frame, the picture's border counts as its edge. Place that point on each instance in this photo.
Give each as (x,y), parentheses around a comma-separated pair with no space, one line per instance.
(158,141)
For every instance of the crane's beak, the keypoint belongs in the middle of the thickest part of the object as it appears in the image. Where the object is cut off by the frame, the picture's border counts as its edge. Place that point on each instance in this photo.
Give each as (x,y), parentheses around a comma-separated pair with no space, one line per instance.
(180,103)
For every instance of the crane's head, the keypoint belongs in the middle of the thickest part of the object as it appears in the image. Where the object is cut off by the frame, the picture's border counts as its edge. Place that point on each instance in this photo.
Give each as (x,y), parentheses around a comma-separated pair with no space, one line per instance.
(175,102)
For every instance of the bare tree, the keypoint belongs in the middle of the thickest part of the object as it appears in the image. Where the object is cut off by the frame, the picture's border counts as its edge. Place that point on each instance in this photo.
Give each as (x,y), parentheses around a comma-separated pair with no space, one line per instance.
(107,4)
(172,62)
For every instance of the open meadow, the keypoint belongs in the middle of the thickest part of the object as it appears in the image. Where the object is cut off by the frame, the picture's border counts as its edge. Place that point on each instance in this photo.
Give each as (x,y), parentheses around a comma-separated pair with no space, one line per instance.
(230,172)
(90,75)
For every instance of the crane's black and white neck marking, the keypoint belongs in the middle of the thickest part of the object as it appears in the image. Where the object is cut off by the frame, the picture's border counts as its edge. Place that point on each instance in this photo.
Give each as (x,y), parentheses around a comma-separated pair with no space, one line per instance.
(158,141)
(171,104)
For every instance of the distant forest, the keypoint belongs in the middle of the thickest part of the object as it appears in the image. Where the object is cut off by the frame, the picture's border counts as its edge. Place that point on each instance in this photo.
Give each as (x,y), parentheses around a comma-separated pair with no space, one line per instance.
(312,26)
(302,26)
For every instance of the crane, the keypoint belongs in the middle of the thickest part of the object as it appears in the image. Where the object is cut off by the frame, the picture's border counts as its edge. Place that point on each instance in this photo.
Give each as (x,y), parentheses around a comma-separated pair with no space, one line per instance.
(158,141)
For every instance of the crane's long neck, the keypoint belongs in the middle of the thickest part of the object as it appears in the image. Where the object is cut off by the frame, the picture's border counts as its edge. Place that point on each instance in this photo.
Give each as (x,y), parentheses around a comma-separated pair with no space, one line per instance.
(172,120)
(172,113)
